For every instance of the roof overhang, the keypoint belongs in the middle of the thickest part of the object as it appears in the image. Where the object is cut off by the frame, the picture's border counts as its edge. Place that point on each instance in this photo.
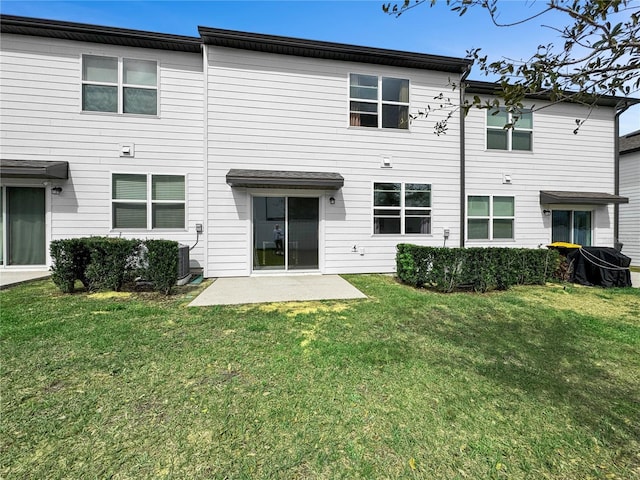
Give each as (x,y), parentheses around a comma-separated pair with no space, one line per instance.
(34,169)
(495,89)
(580,198)
(284,179)
(84,32)
(331,51)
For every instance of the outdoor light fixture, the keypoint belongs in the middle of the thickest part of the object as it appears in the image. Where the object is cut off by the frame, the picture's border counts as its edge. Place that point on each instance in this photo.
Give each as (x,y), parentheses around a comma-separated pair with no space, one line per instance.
(332,200)
(56,190)
(546,212)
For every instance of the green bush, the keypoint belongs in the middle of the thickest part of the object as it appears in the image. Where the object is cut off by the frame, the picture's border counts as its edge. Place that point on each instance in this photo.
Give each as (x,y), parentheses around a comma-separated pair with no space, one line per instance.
(161,259)
(113,261)
(70,258)
(481,269)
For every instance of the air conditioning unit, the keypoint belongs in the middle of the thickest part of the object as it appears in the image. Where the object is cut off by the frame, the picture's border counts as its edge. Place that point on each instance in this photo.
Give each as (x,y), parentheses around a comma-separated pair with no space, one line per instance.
(184,272)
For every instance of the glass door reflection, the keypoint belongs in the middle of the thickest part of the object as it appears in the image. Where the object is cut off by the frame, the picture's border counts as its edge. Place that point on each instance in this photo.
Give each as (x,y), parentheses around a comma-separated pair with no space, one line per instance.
(285,233)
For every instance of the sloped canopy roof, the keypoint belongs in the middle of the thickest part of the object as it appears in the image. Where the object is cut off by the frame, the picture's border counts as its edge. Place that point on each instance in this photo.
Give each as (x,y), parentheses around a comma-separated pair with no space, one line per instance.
(284,178)
(580,198)
(34,169)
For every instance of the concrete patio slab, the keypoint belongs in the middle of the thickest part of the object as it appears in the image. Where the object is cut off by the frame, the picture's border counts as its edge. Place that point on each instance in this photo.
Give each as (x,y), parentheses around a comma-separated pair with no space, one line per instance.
(16,277)
(240,290)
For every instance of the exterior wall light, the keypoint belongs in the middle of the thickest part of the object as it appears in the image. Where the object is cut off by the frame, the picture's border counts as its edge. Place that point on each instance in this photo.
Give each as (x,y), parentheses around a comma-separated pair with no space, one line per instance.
(546,212)
(332,200)
(56,190)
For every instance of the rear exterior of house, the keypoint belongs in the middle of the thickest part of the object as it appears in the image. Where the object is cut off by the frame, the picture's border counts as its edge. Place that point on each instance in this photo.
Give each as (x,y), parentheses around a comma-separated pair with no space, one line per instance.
(291,156)
(101,135)
(630,187)
(539,182)
(287,107)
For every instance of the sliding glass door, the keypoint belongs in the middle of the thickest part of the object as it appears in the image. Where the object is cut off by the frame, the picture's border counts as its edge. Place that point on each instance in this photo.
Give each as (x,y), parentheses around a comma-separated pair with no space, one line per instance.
(285,233)
(23,226)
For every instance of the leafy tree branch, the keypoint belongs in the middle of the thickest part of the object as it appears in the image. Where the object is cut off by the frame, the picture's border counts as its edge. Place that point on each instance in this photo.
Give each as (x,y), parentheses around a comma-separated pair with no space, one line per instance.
(598,53)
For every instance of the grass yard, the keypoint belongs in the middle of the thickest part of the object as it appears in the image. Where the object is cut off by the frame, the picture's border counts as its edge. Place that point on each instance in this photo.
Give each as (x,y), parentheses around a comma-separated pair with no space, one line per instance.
(532,383)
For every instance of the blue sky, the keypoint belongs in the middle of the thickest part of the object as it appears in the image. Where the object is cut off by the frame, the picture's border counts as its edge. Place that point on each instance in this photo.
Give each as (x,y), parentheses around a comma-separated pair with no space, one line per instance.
(427,30)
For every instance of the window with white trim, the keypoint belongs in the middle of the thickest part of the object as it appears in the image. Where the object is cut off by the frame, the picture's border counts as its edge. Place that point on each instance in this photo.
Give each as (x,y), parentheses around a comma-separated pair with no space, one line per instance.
(490,217)
(119,85)
(378,102)
(145,201)
(401,208)
(517,136)
(571,226)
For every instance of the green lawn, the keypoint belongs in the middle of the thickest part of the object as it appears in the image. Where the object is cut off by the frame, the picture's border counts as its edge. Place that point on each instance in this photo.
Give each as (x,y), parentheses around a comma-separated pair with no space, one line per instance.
(536,382)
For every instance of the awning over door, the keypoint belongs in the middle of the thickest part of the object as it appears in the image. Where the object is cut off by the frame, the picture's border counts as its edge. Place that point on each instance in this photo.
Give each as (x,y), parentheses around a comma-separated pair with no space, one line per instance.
(580,198)
(34,169)
(284,178)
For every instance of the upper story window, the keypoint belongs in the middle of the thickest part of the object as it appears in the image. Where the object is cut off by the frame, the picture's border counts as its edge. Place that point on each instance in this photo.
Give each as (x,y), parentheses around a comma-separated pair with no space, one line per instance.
(142,201)
(401,208)
(490,217)
(518,137)
(378,102)
(119,85)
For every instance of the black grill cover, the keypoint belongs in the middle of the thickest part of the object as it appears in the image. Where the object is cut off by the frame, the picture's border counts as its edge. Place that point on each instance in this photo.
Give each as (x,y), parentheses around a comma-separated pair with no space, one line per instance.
(599,266)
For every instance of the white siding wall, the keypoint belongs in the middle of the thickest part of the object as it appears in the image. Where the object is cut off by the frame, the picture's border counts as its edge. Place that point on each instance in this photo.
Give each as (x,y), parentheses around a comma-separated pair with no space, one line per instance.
(560,161)
(630,213)
(42,120)
(278,112)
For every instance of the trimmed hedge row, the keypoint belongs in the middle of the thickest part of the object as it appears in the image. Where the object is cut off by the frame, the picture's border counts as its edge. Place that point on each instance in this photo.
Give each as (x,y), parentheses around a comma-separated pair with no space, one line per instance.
(104,263)
(482,269)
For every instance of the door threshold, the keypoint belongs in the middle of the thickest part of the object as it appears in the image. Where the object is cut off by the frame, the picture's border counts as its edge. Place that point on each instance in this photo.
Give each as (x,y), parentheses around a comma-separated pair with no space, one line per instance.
(285,273)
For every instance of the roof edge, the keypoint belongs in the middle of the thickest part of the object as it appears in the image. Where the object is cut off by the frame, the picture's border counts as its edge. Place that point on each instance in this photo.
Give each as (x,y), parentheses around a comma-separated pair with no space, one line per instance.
(97,33)
(330,50)
(494,88)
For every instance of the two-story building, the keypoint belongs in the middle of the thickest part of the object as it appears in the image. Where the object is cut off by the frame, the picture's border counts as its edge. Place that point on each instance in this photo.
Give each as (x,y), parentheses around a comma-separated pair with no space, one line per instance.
(630,188)
(271,154)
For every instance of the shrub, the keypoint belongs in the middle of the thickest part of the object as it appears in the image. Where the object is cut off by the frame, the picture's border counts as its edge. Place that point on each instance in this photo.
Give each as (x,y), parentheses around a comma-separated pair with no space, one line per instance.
(112,262)
(161,259)
(69,263)
(482,269)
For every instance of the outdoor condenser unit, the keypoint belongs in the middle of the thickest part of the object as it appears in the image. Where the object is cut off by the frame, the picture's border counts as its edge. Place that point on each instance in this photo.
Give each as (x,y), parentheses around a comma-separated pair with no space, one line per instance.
(183,264)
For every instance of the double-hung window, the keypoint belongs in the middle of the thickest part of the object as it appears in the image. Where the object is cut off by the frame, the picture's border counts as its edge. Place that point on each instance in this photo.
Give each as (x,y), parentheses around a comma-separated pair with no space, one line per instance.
(571,226)
(401,208)
(490,217)
(509,131)
(141,201)
(378,102)
(119,85)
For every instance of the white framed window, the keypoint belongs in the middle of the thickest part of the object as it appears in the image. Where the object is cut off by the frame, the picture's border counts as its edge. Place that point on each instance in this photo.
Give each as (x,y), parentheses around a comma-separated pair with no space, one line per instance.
(147,201)
(519,137)
(572,226)
(119,85)
(402,208)
(378,102)
(490,217)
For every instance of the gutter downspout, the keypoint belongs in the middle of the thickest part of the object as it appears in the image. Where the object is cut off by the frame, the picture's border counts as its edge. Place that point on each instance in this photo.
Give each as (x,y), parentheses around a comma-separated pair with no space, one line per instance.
(463,173)
(620,109)
(205,156)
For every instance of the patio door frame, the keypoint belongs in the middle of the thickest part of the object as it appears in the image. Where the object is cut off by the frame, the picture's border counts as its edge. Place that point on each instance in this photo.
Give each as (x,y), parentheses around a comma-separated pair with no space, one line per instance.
(300,193)
(18,183)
